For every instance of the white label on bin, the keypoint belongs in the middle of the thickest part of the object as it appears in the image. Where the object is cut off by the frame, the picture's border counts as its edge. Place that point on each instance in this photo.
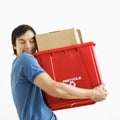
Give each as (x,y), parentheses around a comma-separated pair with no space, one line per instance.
(72,81)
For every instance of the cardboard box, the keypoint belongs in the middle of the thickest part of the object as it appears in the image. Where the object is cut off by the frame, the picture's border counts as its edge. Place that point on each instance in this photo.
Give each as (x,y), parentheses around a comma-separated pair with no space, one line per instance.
(57,39)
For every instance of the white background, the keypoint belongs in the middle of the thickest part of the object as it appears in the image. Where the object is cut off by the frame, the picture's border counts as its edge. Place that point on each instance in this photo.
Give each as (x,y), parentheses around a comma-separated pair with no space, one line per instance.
(98,20)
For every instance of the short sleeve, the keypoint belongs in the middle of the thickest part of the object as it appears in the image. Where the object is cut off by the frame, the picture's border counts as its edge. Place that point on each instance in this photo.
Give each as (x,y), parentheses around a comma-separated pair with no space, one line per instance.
(31,67)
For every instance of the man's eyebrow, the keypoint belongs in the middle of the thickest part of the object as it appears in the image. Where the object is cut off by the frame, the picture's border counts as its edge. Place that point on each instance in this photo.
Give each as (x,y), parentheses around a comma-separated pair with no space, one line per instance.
(32,37)
(20,39)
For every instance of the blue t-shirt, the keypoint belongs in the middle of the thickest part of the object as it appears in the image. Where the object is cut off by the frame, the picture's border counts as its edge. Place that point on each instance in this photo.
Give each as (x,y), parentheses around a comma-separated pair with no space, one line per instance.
(27,97)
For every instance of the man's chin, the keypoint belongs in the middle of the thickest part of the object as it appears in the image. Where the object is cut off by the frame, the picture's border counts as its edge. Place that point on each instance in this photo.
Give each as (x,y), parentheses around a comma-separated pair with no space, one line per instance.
(28,52)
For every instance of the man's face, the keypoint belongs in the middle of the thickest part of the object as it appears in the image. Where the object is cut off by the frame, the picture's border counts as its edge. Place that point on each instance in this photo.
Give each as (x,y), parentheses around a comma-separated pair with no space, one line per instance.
(25,43)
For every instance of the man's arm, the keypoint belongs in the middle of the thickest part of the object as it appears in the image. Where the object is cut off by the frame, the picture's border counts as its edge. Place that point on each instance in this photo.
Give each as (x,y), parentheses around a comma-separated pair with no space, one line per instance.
(62,90)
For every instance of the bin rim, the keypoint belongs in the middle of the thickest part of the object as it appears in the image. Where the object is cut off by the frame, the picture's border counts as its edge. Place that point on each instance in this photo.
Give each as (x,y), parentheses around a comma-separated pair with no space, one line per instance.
(91,43)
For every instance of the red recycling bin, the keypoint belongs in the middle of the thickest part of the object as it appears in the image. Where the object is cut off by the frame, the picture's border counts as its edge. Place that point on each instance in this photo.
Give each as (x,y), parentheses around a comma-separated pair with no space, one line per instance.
(75,65)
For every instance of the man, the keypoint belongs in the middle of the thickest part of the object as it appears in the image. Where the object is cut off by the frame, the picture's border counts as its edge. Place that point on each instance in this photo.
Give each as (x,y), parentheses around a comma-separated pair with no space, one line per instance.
(29,79)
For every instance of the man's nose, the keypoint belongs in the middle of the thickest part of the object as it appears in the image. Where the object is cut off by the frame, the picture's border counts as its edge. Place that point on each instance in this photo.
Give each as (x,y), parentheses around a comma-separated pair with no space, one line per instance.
(28,44)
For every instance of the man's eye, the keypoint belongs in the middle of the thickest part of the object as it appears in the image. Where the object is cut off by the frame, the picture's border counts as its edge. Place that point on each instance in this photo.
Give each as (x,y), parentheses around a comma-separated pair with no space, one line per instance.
(32,40)
(22,42)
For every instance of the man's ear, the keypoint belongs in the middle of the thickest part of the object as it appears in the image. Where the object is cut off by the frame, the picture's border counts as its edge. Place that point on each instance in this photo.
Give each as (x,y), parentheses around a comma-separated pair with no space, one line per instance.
(14,47)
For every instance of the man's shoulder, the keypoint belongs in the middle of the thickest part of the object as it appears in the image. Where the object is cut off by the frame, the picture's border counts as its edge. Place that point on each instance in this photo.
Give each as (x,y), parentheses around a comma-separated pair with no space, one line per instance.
(25,57)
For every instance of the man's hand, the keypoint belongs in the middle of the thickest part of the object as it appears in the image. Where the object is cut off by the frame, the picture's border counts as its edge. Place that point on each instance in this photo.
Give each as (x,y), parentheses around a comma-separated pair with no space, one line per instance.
(99,93)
